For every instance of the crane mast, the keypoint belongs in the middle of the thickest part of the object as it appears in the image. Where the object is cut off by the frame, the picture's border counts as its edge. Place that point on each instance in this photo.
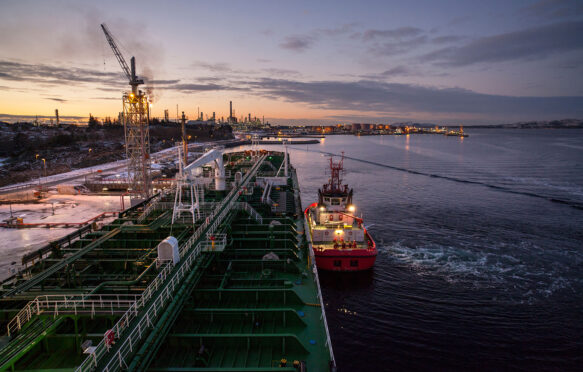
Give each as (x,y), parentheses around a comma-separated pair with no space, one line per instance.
(136,113)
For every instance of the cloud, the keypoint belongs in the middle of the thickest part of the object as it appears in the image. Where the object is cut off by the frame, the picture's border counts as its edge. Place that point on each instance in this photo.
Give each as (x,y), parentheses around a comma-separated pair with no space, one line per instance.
(553,9)
(106,98)
(341,30)
(399,40)
(399,46)
(398,70)
(57,100)
(446,39)
(161,82)
(214,67)
(298,43)
(395,33)
(374,96)
(280,71)
(197,88)
(529,44)
(41,73)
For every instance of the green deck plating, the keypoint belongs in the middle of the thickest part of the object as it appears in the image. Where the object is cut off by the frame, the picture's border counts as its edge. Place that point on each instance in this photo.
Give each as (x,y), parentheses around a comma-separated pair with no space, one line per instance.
(244,295)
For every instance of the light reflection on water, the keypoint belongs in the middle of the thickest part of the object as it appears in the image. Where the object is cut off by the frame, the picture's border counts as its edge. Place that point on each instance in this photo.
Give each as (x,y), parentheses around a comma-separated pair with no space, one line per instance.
(480,260)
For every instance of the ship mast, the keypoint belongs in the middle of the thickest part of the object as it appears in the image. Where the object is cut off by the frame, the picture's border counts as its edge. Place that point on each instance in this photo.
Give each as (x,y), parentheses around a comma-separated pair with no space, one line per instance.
(335,182)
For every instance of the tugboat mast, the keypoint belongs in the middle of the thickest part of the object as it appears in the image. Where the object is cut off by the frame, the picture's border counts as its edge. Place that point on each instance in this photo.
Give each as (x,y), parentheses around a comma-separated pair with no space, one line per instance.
(335,182)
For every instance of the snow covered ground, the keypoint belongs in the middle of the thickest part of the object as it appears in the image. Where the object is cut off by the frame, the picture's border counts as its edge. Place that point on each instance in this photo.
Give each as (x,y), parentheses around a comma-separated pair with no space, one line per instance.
(14,243)
(79,173)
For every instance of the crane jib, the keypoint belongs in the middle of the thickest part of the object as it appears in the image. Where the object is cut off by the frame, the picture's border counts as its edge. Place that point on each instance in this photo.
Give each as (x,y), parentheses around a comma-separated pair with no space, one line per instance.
(130,74)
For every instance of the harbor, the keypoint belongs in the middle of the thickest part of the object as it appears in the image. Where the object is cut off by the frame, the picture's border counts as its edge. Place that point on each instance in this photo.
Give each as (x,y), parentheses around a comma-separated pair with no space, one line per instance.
(255,186)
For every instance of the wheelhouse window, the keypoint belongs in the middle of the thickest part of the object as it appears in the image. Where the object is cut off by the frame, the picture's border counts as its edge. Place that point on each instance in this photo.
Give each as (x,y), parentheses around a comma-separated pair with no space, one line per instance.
(353,263)
(335,201)
(337,263)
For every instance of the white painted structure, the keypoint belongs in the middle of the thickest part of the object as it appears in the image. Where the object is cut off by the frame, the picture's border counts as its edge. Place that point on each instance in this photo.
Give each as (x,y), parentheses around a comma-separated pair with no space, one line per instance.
(188,177)
(168,251)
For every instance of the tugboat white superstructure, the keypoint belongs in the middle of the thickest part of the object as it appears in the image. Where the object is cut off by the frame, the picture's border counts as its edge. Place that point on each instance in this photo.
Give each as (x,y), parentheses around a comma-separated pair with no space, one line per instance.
(340,240)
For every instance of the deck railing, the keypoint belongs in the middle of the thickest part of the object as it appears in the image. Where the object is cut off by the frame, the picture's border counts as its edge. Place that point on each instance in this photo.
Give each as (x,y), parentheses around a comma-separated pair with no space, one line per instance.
(317,280)
(249,209)
(70,304)
(161,290)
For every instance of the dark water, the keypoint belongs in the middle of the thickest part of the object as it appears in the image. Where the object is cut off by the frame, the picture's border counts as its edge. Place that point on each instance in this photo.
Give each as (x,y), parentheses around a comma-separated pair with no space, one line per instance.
(480,263)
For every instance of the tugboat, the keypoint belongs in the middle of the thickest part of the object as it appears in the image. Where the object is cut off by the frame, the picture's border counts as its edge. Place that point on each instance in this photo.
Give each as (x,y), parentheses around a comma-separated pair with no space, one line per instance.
(340,240)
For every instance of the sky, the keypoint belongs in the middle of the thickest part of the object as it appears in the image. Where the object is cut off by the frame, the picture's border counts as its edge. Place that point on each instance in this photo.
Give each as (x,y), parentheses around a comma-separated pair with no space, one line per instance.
(298,62)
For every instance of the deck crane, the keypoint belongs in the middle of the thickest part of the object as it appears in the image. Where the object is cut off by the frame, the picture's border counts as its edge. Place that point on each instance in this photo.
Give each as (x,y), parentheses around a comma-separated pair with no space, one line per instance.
(136,113)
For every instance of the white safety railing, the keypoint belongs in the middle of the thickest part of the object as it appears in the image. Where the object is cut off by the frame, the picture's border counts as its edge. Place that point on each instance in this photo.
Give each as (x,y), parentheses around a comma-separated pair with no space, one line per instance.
(133,311)
(249,209)
(70,304)
(214,243)
(153,205)
(164,286)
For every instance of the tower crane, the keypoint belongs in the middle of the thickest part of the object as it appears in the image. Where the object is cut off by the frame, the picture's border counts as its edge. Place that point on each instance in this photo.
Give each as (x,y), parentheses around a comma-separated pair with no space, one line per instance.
(136,113)
(130,74)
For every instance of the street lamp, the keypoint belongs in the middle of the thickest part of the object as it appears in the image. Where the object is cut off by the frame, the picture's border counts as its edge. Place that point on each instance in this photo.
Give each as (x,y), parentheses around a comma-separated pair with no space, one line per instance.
(45,166)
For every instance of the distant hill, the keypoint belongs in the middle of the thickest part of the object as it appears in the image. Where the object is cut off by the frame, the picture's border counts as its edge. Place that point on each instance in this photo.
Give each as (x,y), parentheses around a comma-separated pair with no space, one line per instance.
(557,124)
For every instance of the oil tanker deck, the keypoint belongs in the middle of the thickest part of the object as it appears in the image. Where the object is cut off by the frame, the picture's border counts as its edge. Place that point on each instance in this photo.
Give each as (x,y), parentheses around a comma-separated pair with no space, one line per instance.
(215,274)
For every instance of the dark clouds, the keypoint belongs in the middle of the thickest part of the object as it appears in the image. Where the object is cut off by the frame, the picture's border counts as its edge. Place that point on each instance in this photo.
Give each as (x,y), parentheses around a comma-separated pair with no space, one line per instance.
(390,41)
(401,32)
(375,96)
(401,40)
(554,9)
(396,71)
(60,100)
(190,88)
(41,73)
(529,44)
(297,43)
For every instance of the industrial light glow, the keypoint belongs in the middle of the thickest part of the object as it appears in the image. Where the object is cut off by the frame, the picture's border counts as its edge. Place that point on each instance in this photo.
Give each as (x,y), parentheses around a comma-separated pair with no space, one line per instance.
(351,208)
(339,232)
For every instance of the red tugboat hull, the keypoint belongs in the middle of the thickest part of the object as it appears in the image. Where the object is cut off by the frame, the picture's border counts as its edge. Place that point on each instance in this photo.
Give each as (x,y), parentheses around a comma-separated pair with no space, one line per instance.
(346,259)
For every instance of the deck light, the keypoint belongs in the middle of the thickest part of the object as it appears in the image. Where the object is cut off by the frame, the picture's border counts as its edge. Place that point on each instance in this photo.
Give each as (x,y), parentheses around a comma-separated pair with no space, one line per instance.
(351,208)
